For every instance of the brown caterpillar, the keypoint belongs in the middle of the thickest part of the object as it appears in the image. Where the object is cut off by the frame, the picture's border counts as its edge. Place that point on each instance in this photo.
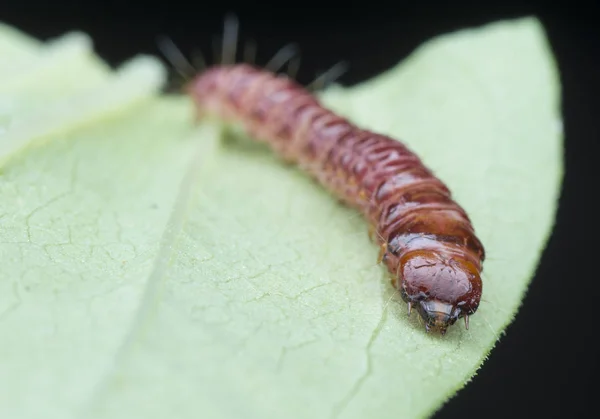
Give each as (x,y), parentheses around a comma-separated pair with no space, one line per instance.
(426,239)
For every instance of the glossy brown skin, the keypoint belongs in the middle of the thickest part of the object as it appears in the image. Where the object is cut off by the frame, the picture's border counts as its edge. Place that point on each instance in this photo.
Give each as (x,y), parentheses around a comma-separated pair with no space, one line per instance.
(427,240)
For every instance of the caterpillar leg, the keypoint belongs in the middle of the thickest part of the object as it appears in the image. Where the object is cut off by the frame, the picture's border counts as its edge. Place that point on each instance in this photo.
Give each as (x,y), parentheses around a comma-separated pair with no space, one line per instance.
(372,230)
(382,252)
(199,116)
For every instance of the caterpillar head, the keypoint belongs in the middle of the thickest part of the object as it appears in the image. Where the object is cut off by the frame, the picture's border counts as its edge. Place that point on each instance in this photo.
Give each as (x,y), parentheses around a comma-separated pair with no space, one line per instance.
(442,288)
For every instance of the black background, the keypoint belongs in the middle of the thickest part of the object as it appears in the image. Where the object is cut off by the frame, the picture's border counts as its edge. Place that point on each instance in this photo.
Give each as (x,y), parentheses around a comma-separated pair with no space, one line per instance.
(546,363)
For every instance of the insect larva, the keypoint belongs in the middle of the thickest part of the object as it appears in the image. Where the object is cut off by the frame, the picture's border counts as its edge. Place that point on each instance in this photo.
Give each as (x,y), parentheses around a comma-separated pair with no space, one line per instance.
(427,240)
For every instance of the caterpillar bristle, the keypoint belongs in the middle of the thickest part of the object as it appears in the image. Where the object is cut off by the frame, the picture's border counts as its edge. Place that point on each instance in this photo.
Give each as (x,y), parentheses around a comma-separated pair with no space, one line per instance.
(224,52)
(329,76)
(293,67)
(174,84)
(175,57)
(216,49)
(250,51)
(281,57)
(198,60)
(230,39)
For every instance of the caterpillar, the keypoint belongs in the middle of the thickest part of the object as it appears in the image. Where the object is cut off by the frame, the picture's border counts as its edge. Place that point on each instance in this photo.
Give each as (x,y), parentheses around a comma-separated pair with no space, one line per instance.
(426,239)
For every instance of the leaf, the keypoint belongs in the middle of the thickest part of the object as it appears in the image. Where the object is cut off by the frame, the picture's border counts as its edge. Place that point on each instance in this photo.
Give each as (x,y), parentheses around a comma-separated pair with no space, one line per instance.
(15,46)
(47,97)
(153,269)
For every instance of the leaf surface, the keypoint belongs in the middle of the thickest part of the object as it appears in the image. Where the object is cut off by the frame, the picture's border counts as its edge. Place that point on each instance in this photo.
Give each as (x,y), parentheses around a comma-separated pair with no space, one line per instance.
(152,268)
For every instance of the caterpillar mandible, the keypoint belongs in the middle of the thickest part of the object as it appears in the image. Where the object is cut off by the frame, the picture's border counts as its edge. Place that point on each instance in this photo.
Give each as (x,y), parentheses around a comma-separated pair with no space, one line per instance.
(426,239)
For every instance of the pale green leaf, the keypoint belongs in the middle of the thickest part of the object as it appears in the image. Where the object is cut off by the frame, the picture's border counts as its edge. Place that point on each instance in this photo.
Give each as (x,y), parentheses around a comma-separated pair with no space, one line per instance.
(15,47)
(154,269)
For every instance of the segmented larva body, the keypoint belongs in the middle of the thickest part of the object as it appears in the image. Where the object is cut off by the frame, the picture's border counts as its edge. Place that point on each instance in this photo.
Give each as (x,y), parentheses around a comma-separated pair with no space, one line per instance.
(427,240)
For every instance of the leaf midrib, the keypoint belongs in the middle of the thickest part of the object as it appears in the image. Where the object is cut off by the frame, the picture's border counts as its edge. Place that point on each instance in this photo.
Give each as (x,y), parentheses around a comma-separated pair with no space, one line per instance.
(207,137)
